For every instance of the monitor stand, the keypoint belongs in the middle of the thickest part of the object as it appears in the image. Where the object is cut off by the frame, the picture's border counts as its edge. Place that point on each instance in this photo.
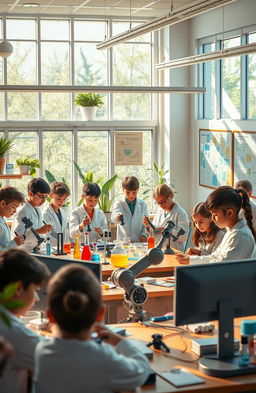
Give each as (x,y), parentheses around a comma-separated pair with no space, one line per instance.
(225,363)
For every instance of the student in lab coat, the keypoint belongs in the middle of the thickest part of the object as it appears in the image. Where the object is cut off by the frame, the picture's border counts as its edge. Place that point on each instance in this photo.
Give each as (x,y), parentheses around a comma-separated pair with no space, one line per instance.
(225,203)
(169,210)
(86,217)
(130,210)
(38,190)
(247,186)
(10,200)
(53,213)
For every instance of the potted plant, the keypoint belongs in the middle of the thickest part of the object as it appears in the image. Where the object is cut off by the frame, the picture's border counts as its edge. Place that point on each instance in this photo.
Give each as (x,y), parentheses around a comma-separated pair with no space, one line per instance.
(89,102)
(27,166)
(6,144)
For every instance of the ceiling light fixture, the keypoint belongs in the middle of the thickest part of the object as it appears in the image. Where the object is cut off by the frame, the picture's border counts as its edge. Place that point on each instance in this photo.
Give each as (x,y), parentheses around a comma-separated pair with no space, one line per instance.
(6,48)
(30,5)
(101,89)
(175,16)
(211,56)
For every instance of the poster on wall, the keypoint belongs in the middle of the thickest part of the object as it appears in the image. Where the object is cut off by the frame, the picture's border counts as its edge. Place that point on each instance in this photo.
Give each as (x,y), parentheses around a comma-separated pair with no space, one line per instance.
(215,158)
(245,157)
(128,148)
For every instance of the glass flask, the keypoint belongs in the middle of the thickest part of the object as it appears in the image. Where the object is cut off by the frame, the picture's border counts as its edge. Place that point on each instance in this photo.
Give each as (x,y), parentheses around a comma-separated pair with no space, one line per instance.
(119,255)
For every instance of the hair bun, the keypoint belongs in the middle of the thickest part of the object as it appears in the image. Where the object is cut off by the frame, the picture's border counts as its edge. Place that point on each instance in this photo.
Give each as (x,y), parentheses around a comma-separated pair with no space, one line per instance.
(75,301)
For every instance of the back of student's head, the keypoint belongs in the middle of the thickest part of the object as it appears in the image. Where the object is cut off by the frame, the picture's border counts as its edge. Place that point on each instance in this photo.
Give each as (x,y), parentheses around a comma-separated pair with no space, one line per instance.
(202,210)
(10,194)
(163,190)
(226,197)
(91,189)
(18,265)
(74,298)
(38,185)
(130,183)
(245,184)
(59,188)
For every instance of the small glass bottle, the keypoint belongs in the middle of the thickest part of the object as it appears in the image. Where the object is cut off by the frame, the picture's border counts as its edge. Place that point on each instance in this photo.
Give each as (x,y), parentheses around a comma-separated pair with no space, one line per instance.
(248,328)
(48,246)
(86,254)
(95,254)
(151,240)
(244,352)
(77,252)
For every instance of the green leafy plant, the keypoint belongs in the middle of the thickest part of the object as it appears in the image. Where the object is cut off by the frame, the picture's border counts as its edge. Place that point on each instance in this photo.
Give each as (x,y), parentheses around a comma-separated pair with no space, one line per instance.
(89,99)
(33,164)
(6,300)
(51,178)
(6,144)
(156,177)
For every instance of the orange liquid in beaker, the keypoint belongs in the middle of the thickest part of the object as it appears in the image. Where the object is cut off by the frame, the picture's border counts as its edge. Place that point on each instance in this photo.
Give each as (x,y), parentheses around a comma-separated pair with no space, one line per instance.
(119,260)
(67,248)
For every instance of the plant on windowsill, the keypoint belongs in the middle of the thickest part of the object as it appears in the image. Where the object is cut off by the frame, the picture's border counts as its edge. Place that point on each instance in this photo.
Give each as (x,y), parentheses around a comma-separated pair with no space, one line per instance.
(27,166)
(89,102)
(6,144)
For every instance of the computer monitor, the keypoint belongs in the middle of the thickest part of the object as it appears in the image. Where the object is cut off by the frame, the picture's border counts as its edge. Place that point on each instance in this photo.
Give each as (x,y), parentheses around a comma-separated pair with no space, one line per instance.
(218,291)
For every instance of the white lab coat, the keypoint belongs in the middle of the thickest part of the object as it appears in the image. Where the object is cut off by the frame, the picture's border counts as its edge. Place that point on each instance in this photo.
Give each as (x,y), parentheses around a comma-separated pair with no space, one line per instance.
(180,218)
(5,236)
(207,248)
(50,217)
(76,217)
(133,227)
(27,210)
(238,243)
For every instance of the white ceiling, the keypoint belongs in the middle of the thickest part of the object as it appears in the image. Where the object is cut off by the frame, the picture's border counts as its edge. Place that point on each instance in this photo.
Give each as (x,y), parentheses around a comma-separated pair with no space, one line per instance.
(135,8)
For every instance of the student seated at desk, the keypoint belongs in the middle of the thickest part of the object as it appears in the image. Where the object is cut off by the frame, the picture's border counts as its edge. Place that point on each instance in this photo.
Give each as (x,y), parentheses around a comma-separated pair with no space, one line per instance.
(74,361)
(86,217)
(38,190)
(16,266)
(10,200)
(247,186)
(169,210)
(225,203)
(53,213)
(132,210)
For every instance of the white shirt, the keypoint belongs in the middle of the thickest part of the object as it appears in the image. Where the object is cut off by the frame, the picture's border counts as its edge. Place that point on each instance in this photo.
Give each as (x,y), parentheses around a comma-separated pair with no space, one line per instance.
(98,221)
(133,227)
(50,217)
(24,340)
(180,218)
(5,236)
(237,243)
(64,366)
(207,248)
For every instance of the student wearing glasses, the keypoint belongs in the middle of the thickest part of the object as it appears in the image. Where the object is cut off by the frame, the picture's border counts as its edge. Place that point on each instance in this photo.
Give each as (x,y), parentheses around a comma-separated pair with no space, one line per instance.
(86,217)
(38,190)
(169,210)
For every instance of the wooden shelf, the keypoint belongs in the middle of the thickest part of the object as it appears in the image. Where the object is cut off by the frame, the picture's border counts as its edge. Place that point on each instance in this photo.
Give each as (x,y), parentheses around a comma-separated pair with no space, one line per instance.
(11,176)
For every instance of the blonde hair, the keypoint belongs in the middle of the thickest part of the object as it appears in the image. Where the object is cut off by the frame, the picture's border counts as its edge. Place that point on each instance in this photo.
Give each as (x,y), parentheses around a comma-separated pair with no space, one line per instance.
(163,190)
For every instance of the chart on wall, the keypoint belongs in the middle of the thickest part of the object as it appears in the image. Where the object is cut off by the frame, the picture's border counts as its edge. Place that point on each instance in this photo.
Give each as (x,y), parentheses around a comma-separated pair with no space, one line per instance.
(215,161)
(245,157)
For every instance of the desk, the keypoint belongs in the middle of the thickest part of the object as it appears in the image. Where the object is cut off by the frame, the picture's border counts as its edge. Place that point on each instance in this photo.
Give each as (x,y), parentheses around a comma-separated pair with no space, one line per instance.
(242,383)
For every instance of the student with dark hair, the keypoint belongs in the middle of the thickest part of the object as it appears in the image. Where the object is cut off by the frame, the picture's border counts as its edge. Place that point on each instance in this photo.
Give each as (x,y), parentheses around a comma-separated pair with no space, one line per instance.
(10,200)
(53,213)
(16,266)
(132,209)
(207,236)
(86,217)
(225,203)
(38,190)
(247,186)
(74,359)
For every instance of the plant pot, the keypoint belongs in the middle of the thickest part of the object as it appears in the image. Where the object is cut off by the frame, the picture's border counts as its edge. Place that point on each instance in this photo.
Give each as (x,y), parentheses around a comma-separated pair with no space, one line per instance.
(108,216)
(2,164)
(24,169)
(88,112)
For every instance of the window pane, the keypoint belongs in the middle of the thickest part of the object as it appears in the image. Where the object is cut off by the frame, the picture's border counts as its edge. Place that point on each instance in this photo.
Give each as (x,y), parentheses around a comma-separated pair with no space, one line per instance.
(2,106)
(56,106)
(22,106)
(231,83)
(89,30)
(209,84)
(21,65)
(24,142)
(57,154)
(55,63)
(93,154)
(55,30)
(21,29)
(120,27)
(128,106)
(90,65)
(252,81)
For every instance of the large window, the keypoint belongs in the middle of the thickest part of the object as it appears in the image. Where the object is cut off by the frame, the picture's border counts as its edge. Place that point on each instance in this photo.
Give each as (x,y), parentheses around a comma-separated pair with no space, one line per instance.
(252,81)
(209,109)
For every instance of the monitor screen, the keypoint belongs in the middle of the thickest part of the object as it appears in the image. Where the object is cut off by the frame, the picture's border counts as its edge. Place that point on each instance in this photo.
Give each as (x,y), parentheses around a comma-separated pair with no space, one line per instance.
(219,291)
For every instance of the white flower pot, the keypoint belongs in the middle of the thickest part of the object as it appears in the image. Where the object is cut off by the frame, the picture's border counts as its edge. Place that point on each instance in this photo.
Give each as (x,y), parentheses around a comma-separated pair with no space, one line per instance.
(88,112)
(24,169)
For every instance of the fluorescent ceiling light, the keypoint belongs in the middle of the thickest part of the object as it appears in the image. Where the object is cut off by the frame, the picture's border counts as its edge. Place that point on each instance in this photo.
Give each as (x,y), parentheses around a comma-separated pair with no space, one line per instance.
(101,89)
(30,5)
(177,15)
(211,56)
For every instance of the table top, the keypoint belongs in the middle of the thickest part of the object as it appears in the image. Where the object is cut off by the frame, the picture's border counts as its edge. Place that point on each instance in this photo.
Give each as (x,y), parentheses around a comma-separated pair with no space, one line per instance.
(152,290)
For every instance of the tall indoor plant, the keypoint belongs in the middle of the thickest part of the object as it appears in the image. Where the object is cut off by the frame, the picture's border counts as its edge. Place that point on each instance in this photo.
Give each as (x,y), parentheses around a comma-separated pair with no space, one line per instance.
(89,102)
(6,144)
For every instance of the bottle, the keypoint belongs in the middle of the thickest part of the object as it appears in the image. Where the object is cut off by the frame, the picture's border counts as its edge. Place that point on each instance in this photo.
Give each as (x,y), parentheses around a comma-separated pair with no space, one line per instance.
(151,240)
(95,254)
(48,246)
(244,352)
(77,252)
(119,256)
(86,254)
(248,328)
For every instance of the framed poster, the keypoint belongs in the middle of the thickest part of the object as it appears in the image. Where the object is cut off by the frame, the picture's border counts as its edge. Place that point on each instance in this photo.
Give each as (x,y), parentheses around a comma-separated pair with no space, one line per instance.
(128,148)
(215,158)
